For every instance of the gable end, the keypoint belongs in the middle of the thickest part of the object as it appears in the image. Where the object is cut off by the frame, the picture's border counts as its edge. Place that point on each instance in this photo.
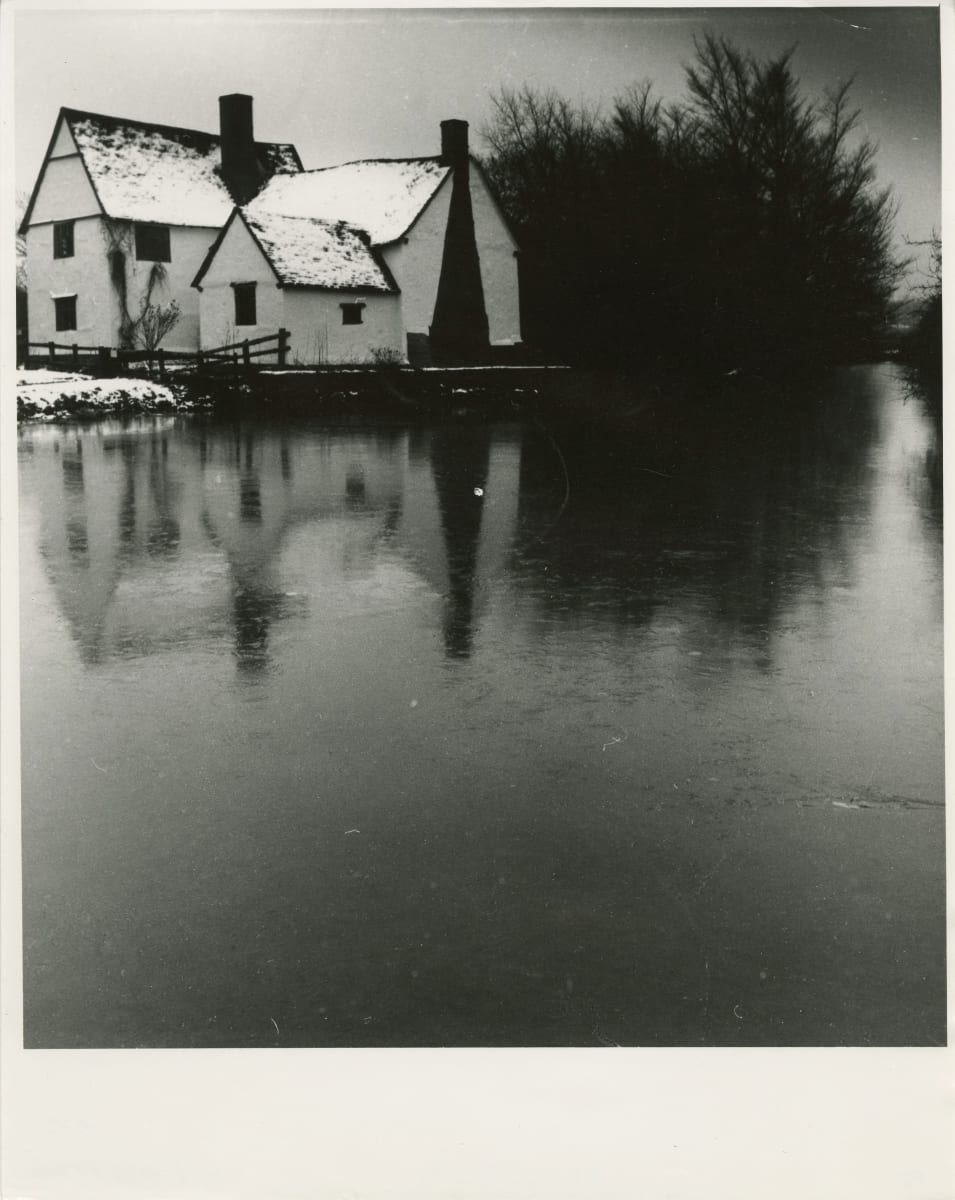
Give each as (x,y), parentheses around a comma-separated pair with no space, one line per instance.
(220,238)
(61,121)
(476,163)
(405,233)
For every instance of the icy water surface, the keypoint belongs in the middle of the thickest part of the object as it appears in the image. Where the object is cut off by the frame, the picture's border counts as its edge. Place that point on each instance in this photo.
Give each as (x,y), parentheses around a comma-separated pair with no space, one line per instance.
(486,735)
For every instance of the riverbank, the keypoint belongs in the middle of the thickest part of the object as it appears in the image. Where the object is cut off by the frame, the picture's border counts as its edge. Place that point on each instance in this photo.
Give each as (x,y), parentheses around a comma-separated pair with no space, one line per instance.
(379,394)
(608,400)
(490,393)
(65,395)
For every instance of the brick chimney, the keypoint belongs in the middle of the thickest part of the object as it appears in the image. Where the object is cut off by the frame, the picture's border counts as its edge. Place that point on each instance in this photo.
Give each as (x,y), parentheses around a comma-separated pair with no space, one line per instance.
(240,165)
(459,329)
(454,143)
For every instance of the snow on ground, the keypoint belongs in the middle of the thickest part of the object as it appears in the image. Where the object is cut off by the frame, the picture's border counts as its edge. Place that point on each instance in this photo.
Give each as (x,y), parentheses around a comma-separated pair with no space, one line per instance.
(42,376)
(45,393)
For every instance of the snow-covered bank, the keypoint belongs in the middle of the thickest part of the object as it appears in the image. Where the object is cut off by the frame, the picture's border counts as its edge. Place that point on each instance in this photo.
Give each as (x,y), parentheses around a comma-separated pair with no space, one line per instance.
(51,395)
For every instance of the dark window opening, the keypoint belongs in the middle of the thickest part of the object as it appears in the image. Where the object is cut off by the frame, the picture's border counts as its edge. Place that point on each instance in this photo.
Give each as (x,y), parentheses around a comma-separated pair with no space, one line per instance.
(351,314)
(65,307)
(152,243)
(62,239)
(244,303)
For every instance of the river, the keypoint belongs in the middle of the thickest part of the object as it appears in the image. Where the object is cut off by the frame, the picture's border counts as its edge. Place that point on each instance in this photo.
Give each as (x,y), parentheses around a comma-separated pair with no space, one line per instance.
(486,734)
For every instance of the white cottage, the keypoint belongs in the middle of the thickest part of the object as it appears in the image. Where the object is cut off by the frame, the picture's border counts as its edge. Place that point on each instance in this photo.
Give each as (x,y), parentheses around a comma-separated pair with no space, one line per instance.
(438,259)
(320,280)
(122,215)
(380,260)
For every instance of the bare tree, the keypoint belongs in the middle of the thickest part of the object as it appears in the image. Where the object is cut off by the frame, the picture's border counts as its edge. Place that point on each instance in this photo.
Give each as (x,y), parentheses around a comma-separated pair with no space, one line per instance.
(22,199)
(155,321)
(23,333)
(923,347)
(741,225)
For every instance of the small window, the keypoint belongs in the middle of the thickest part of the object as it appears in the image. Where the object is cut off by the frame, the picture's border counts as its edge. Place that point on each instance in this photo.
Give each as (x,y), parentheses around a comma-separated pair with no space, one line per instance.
(152,243)
(351,314)
(244,303)
(65,307)
(62,239)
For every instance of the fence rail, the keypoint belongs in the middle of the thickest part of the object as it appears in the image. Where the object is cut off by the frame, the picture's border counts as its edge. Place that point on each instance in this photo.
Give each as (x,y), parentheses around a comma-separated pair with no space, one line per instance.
(72,349)
(234,355)
(269,337)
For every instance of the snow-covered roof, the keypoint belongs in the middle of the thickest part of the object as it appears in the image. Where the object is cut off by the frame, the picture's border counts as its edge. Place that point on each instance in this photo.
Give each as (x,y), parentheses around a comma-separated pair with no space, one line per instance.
(381,196)
(306,252)
(161,173)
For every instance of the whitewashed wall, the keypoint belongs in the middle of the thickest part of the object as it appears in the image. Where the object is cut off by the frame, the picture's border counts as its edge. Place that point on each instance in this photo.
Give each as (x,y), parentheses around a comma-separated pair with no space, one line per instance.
(496,250)
(238,260)
(188,245)
(63,142)
(65,193)
(416,263)
(312,317)
(86,274)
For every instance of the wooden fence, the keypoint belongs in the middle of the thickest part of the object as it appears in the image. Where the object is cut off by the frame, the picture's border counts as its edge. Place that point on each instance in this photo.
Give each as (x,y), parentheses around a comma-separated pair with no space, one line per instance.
(102,359)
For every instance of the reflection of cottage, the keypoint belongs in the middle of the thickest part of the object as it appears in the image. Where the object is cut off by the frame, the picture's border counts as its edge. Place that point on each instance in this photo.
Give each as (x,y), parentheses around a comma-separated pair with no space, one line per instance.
(379,260)
(122,215)
(459,516)
(158,538)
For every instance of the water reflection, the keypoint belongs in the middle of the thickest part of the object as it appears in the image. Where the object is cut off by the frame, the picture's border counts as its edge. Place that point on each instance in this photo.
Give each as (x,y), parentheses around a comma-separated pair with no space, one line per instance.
(925,394)
(71,461)
(460,458)
(162,525)
(240,493)
(737,516)
(734,512)
(492,733)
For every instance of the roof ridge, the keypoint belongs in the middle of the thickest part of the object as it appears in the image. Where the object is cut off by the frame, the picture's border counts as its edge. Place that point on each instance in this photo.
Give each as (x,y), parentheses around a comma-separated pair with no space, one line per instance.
(153,126)
(158,126)
(260,214)
(355,162)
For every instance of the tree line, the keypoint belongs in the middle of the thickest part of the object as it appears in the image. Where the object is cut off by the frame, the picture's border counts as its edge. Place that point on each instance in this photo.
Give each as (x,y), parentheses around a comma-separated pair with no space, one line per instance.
(740,228)
(923,346)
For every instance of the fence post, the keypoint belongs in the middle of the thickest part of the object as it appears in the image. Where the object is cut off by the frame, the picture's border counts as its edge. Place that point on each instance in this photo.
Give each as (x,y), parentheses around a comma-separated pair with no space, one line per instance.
(161,355)
(76,356)
(199,360)
(51,346)
(283,346)
(246,360)
(104,357)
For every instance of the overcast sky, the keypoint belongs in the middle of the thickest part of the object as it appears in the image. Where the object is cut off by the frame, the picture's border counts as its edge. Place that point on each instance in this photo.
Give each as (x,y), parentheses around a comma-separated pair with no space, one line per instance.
(346,84)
